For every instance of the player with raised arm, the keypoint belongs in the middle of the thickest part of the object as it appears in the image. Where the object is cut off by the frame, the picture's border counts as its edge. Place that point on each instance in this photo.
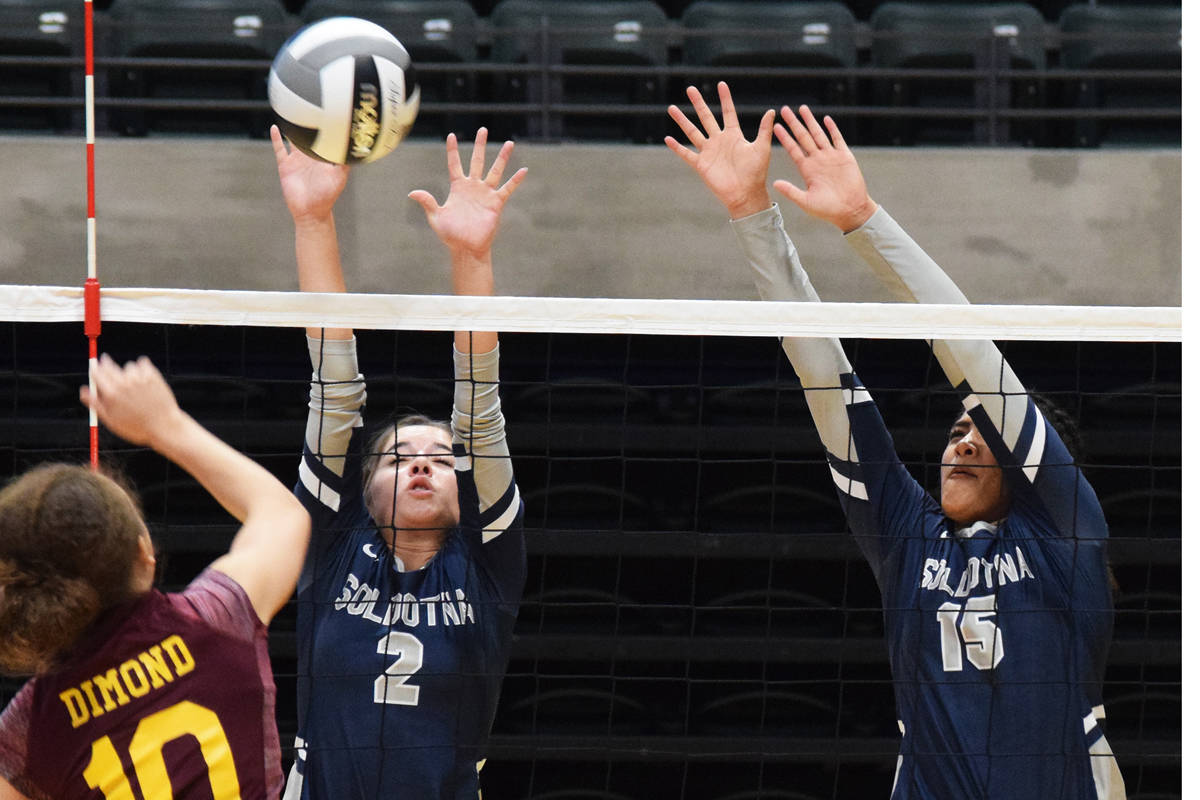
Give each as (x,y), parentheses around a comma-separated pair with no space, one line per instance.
(172,693)
(996,598)
(411,587)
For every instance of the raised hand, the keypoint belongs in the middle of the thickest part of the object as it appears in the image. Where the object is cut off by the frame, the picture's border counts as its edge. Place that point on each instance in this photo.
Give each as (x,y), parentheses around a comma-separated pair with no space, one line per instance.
(836,192)
(734,169)
(133,401)
(310,187)
(467,222)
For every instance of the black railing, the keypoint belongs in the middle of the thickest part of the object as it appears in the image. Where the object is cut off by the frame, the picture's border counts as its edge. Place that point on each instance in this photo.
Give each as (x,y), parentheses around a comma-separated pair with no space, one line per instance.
(989,99)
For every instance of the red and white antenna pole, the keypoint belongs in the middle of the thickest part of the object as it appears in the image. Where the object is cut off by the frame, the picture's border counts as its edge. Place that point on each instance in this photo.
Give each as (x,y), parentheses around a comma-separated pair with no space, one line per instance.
(91,287)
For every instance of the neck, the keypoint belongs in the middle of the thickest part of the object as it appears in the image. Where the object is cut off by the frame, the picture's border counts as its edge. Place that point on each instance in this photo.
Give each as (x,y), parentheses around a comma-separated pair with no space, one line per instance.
(415,548)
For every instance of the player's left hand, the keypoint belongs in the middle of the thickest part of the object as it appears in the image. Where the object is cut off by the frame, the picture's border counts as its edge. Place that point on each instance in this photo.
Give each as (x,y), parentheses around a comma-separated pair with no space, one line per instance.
(467,222)
(133,401)
(837,191)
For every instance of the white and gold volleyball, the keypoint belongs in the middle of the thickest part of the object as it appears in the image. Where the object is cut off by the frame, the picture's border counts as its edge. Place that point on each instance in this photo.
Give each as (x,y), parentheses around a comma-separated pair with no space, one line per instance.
(342,90)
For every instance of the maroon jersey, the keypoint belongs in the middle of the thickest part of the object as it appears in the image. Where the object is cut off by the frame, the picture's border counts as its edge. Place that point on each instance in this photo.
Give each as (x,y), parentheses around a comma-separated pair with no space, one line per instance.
(168,696)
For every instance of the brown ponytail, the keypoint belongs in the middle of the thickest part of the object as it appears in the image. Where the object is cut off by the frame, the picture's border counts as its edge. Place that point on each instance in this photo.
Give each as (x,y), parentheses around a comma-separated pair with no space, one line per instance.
(68,540)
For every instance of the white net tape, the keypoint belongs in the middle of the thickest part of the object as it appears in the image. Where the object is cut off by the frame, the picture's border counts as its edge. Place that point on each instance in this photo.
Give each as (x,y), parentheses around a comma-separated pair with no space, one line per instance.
(599,315)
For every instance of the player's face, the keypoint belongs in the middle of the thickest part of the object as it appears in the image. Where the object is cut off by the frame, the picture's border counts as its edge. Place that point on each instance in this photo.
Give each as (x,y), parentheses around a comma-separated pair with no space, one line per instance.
(973,486)
(413,486)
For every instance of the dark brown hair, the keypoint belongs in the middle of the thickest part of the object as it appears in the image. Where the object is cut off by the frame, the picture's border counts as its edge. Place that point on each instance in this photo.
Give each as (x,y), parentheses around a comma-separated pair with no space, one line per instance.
(68,541)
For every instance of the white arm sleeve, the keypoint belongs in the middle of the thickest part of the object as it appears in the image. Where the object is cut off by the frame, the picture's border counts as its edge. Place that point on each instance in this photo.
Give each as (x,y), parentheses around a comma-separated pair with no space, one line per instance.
(479,424)
(911,275)
(335,402)
(819,363)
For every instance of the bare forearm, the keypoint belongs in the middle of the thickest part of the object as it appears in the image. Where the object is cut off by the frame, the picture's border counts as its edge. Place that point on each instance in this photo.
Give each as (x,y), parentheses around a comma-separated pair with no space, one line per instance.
(319,265)
(472,277)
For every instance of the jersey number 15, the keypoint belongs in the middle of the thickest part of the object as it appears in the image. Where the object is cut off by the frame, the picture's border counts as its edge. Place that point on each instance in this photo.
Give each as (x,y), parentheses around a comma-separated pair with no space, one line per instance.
(973,631)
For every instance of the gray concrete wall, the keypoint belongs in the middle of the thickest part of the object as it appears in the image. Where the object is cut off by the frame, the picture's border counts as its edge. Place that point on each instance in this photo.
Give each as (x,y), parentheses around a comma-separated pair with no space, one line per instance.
(1012,226)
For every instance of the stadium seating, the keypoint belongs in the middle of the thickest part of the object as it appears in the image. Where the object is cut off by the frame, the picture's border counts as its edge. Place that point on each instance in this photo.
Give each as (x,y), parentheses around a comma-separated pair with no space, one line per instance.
(731,33)
(747,659)
(442,32)
(195,99)
(39,28)
(595,34)
(1124,38)
(954,36)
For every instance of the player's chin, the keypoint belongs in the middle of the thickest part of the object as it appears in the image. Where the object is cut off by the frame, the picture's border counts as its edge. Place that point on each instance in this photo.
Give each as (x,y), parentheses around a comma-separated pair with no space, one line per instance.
(956,502)
(429,516)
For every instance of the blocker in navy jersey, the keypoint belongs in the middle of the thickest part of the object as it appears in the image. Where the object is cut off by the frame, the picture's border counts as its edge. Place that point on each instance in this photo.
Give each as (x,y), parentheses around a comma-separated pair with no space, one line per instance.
(998,632)
(400,671)
(997,635)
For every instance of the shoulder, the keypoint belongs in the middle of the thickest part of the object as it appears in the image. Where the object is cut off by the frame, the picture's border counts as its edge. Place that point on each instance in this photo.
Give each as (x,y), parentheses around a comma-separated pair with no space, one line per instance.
(219,600)
(15,725)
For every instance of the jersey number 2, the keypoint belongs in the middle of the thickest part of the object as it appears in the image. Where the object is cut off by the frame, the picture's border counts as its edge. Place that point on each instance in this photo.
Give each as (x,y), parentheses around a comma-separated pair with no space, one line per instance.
(104,770)
(392,686)
(974,632)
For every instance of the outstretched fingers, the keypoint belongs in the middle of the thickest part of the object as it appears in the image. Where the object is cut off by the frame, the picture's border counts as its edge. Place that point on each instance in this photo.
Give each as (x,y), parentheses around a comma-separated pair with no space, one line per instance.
(790,146)
(690,157)
(499,165)
(277,144)
(425,200)
(692,133)
(835,134)
(479,153)
(815,131)
(453,161)
(703,112)
(799,131)
(792,192)
(764,128)
(505,191)
(728,110)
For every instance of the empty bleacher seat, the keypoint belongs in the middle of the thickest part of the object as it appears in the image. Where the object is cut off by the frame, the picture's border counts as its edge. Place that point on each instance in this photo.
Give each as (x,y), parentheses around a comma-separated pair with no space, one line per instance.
(576,709)
(762,711)
(209,29)
(1114,37)
(982,38)
(574,33)
(586,506)
(41,28)
(762,33)
(444,32)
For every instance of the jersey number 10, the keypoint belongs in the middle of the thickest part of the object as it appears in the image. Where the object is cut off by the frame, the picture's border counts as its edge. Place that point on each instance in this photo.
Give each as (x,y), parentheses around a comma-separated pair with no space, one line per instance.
(104,770)
(974,632)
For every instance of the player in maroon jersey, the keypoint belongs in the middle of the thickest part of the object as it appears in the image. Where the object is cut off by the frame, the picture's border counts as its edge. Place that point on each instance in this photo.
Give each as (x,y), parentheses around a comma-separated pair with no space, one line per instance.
(132,687)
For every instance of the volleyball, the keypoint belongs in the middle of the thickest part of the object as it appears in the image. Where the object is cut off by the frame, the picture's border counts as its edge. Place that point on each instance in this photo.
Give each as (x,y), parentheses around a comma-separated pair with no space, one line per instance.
(342,90)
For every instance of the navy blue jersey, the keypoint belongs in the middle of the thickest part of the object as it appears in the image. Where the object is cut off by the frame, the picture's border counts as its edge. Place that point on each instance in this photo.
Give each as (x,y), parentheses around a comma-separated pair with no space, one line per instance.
(400,671)
(997,634)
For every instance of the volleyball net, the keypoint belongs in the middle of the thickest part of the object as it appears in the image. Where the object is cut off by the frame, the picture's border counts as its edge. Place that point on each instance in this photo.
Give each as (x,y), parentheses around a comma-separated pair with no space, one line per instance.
(696,617)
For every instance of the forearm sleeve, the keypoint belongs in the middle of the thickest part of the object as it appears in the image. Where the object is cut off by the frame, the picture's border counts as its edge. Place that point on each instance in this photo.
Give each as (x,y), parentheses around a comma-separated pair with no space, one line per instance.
(479,424)
(336,398)
(818,362)
(912,276)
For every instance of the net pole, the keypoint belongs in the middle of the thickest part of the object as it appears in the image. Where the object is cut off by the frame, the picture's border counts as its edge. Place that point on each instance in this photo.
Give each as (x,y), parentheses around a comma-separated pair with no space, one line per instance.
(91,286)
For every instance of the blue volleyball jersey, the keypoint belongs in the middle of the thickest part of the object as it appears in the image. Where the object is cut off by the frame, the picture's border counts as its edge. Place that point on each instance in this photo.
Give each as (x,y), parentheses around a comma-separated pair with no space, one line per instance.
(400,671)
(997,634)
